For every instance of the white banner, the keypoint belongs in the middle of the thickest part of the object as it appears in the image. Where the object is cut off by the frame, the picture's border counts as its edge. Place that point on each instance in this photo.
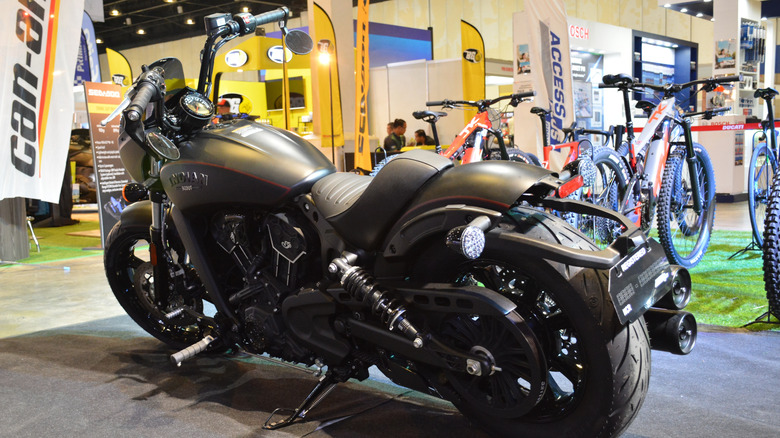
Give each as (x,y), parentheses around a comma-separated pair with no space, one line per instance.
(542,63)
(40,40)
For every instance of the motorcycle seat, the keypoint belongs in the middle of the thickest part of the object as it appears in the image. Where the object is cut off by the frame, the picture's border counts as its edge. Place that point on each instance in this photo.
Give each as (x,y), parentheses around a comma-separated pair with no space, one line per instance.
(362,208)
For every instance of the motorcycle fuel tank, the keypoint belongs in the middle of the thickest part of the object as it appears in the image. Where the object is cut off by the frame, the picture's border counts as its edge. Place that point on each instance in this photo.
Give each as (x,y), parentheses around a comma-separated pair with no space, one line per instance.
(243,163)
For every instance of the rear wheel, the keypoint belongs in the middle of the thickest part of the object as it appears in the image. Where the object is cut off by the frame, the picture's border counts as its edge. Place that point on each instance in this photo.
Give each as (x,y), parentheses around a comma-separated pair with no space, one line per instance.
(684,233)
(517,155)
(608,182)
(129,272)
(772,249)
(593,373)
(763,166)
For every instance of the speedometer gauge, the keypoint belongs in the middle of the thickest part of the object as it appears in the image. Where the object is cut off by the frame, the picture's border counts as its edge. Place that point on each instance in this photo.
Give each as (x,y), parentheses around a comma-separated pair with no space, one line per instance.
(197,106)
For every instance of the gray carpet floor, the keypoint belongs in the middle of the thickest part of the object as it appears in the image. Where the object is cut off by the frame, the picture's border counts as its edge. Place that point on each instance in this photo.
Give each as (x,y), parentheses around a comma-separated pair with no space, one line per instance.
(106,378)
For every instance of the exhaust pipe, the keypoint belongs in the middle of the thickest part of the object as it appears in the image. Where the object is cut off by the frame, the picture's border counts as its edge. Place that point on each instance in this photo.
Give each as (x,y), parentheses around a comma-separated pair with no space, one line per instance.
(680,295)
(671,330)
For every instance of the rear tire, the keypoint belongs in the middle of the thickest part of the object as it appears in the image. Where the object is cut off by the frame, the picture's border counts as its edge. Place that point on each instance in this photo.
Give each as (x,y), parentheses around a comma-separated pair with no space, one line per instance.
(597,370)
(763,166)
(610,181)
(517,155)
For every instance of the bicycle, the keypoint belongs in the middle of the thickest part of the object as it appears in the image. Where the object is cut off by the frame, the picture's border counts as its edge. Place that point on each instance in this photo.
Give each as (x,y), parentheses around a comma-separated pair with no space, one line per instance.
(763,167)
(668,175)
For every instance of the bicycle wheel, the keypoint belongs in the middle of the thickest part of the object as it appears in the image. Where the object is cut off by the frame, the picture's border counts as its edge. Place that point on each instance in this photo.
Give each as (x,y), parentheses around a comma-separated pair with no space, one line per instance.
(763,166)
(684,233)
(772,249)
(609,182)
(517,155)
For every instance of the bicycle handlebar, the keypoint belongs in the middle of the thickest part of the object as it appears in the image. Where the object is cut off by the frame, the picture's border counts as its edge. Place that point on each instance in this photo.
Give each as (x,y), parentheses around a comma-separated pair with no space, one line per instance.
(620,81)
(516,99)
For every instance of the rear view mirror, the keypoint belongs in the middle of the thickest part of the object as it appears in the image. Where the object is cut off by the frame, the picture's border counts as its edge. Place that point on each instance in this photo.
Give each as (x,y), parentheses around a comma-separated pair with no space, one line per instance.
(299,42)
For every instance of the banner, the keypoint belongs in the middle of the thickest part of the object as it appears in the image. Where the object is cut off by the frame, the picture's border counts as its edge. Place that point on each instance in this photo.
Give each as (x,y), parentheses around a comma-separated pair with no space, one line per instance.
(472,66)
(362,145)
(542,64)
(41,42)
(110,174)
(327,72)
(121,73)
(87,62)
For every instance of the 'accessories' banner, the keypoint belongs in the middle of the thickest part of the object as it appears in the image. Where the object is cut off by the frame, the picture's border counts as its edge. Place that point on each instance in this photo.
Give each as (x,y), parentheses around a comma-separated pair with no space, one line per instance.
(542,63)
(472,66)
(41,42)
(328,70)
(362,146)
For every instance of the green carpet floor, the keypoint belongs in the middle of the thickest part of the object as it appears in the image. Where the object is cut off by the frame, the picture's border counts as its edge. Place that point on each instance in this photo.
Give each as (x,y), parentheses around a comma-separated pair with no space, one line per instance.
(725,292)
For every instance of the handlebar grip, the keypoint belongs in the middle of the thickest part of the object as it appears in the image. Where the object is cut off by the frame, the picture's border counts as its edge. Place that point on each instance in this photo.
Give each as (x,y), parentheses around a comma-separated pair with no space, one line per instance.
(733,78)
(524,95)
(145,92)
(272,16)
(436,103)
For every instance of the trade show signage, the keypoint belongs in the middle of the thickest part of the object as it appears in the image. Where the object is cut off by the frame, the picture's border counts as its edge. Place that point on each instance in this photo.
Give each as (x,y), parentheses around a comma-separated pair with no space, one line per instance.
(87,63)
(542,57)
(41,42)
(110,174)
(472,66)
(362,148)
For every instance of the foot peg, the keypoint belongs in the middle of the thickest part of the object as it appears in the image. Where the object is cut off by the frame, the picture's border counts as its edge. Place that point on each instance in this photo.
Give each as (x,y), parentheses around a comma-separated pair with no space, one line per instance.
(323,388)
(190,352)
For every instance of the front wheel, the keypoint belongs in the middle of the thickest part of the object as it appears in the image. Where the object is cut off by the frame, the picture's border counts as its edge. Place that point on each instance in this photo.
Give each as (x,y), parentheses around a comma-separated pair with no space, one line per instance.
(683,232)
(590,375)
(772,249)
(130,275)
(763,166)
(609,180)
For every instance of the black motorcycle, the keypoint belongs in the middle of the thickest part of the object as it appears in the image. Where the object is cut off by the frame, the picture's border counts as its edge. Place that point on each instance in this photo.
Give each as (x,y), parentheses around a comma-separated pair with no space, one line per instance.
(455,281)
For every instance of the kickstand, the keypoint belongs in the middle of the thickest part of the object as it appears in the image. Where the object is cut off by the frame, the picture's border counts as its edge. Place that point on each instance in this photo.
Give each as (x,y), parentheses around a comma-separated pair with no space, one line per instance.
(765,318)
(753,246)
(323,388)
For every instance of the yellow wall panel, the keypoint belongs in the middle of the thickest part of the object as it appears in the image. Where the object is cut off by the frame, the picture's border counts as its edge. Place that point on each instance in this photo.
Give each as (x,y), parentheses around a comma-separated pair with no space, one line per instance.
(609,12)
(571,8)
(506,8)
(489,27)
(653,17)
(588,9)
(439,24)
(678,25)
(702,33)
(454,14)
(631,14)
(405,13)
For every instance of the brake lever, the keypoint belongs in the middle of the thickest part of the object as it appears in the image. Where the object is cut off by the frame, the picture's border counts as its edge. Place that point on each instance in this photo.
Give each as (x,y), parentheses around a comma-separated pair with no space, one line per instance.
(125,102)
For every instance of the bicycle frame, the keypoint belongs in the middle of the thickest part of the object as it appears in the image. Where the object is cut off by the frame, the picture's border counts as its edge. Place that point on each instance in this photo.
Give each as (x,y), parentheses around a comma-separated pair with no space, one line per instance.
(481,122)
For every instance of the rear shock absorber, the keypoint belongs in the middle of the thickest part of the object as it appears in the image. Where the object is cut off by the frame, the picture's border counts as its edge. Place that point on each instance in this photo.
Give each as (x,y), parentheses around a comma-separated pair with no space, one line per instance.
(362,286)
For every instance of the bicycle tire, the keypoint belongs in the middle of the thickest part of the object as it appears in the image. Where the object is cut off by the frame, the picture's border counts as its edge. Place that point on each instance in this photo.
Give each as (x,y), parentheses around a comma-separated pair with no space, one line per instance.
(517,155)
(610,182)
(771,256)
(684,234)
(760,177)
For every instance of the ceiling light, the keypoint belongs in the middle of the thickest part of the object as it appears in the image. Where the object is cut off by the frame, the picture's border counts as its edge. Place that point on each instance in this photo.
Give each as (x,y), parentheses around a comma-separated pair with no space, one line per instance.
(169,1)
(99,41)
(684,10)
(675,46)
(245,9)
(180,9)
(114,12)
(140,31)
(699,14)
(763,18)
(190,21)
(128,21)
(667,5)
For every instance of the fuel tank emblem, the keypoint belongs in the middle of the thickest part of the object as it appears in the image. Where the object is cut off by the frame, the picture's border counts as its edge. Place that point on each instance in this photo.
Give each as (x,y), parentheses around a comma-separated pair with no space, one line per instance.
(187,181)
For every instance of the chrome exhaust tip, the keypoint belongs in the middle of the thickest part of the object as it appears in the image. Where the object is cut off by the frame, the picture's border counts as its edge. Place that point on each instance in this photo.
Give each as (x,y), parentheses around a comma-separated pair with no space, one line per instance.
(680,295)
(673,331)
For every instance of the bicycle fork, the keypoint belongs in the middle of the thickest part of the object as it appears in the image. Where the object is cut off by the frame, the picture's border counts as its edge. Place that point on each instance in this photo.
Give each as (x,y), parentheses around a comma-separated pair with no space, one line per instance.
(693,166)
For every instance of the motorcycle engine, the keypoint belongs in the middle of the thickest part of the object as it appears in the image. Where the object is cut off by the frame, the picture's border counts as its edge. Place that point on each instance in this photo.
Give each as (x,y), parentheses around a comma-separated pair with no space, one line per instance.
(270,254)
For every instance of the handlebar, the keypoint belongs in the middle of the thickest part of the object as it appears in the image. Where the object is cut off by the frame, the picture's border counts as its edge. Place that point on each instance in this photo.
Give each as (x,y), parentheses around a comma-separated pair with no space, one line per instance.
(516,99)
(150,87)
(624,81)
(708,114)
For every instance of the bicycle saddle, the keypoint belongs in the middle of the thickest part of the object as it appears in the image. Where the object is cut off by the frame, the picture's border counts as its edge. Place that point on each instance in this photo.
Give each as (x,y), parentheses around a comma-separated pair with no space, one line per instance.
(645,106)
(539,111)
(617,79)
(428,116)
(765,93)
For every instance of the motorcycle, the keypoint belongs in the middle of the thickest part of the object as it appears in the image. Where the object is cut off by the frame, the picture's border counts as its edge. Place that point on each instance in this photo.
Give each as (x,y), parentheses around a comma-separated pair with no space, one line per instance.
(455,281)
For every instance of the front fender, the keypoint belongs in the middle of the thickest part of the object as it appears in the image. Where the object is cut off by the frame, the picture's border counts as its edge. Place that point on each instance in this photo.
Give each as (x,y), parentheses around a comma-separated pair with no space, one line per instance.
(138,213)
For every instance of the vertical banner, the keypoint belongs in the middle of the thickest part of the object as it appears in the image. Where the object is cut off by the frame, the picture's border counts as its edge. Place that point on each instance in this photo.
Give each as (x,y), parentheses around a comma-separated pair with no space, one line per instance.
(110,174)
(40,46)
(362,146)
(542,64)
(472,65)
(331,124)
(121,73)
(87,62)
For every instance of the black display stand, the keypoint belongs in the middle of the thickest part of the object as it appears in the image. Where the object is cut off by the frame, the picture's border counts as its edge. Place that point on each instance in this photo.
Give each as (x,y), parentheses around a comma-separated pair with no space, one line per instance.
(765,318)
(752,246)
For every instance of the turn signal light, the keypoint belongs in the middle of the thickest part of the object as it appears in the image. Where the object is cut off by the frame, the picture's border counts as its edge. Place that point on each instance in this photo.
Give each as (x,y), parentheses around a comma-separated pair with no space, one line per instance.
(134,192)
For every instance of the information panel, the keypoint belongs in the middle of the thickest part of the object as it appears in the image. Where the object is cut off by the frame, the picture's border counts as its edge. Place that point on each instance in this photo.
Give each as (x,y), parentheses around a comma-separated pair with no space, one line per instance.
(110,175)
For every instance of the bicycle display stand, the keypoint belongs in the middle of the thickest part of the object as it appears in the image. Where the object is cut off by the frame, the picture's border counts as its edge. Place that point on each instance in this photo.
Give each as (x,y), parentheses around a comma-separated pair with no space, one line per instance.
(765,318)
(752,246)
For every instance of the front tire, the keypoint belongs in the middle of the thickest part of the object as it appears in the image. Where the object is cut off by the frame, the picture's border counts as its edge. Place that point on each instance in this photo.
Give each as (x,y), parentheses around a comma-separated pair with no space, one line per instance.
(596,371)
(771,256)
(685,234)
(129,272)
(763,166)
